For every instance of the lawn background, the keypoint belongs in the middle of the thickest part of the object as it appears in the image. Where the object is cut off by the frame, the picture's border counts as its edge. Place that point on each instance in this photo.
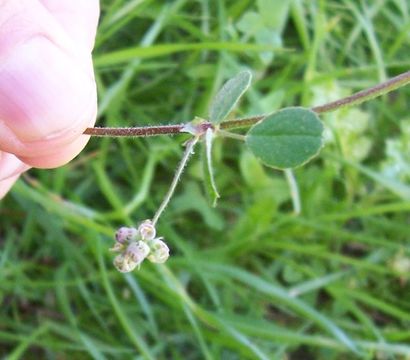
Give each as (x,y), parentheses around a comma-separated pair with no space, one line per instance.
(248,279)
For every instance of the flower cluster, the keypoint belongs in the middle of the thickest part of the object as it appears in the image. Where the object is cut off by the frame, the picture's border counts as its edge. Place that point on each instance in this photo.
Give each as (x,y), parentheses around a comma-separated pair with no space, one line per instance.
(134,245)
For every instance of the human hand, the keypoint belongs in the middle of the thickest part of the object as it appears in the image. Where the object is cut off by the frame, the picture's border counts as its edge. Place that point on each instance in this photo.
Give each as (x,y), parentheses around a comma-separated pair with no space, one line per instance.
(47,87)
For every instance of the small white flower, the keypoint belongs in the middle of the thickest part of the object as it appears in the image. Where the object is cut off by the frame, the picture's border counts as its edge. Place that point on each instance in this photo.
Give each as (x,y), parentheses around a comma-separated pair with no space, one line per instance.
(159,251)
(147,230)
(126,234)
(124,264)
(137,251)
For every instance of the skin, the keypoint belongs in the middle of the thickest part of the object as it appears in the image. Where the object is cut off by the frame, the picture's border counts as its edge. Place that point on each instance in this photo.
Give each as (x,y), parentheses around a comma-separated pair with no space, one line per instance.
(47,88)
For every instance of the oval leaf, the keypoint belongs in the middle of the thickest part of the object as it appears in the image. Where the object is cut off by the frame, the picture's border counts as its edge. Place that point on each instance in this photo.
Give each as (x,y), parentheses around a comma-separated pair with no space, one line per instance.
(226,99)
(286,139)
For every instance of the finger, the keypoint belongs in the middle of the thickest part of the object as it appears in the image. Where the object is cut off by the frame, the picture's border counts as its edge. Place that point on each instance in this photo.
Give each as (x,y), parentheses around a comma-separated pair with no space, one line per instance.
(59,157)
(78,18)
(46,102)
(47,89)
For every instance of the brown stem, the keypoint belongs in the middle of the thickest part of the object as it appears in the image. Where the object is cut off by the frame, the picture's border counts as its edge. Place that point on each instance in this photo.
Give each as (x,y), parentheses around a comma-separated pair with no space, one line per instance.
(134,131)
(366,94)
(240,123)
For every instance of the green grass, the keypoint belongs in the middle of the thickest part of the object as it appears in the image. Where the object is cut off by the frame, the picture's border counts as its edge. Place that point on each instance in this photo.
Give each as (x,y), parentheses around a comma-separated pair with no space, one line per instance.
(248,279)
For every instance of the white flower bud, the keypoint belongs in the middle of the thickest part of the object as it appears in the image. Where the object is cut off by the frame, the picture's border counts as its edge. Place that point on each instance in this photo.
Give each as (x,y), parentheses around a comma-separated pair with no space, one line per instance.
(159,251)
(126,234)
(147,230)
(137,251)
(124,264)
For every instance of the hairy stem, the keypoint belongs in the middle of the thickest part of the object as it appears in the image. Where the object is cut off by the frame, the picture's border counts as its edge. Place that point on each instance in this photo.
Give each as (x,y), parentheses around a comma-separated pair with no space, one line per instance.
(355,99)
(134,131)
(189,147)
(367,94)
(241,123)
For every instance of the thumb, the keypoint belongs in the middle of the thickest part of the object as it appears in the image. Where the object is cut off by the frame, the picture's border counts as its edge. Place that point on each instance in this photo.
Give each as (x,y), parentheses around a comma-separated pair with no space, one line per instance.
(47,87)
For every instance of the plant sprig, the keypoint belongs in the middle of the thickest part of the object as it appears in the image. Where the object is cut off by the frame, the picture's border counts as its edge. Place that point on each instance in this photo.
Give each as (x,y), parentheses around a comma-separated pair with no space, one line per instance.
(283,140)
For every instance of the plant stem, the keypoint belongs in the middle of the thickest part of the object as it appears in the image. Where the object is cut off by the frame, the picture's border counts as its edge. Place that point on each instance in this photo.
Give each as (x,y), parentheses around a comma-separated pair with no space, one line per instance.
(135,131)
(294,191)
(181,166)
(240,123)
(355,99)
(365,95)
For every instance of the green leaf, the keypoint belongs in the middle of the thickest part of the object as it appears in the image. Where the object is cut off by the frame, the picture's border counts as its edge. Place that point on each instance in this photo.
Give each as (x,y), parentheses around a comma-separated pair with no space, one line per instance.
(286,139)
(226,99)
(209,179)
